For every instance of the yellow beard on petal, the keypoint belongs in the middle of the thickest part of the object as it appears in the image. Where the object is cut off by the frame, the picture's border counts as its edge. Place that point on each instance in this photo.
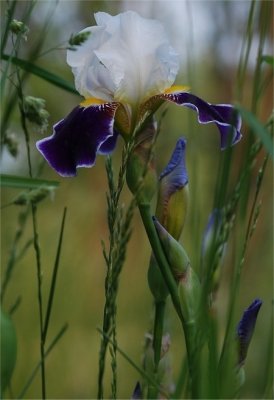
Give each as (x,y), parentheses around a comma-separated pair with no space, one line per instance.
(92,101)
(177,88)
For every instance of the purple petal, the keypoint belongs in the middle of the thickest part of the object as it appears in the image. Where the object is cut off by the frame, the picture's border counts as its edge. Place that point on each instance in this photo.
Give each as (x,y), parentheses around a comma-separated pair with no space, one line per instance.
(109,145)
(224,116)
(77,138)
(246,328)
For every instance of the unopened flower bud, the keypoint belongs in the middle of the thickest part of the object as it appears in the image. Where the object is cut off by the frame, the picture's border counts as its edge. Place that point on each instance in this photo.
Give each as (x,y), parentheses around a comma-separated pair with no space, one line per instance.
(137,393)
(141,174)
(189,290)
(173,192)
(176,255)
(19,28)
(246,328)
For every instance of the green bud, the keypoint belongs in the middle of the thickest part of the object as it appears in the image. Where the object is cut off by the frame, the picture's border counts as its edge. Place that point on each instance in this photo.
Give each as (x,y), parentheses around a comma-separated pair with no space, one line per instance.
(156,282)
(19,28)
(141,174)
(189,290)
(8,350)
(176,255)
(240,377)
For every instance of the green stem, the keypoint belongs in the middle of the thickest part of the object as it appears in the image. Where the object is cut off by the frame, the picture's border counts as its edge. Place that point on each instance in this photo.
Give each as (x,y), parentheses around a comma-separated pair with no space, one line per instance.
(189,329)
(158,331)
(157,343)
(160,257)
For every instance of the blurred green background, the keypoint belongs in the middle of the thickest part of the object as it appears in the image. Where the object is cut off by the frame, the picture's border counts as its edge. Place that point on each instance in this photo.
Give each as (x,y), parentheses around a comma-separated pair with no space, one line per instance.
(208,36)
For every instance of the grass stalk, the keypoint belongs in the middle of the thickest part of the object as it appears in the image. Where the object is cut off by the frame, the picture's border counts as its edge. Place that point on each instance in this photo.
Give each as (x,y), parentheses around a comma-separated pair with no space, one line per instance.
(38,366)
(54,277)
(35,240)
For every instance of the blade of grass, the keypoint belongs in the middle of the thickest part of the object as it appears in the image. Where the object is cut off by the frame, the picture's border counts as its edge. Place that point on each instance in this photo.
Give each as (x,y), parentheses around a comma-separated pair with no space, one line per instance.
(21,182)
(268,59)
(38,365)
(41,73)
(258,129)
(10,12)
(54,276)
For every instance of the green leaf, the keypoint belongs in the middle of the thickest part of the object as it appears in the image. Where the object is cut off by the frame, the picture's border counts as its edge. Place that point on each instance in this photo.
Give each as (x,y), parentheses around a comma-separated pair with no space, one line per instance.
(268,59)
(258,129)
(42,73)
(25,183)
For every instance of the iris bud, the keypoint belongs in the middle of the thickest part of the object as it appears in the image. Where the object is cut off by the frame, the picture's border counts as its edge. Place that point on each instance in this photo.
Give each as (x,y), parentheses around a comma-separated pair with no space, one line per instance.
(173,192)
(8,350)
(189,290)
(175,253)
(246,328)
(141,174)
(137,393)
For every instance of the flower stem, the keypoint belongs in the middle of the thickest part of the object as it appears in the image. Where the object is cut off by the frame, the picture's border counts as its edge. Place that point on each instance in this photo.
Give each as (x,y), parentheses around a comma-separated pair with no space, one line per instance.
(158,331)
(35,240)
(157,343)
(190,329)
(160,256)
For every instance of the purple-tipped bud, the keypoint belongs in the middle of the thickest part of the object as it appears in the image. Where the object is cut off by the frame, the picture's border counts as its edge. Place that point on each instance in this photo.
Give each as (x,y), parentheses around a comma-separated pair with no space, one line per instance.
(246,328)
(137,393)
(173,192)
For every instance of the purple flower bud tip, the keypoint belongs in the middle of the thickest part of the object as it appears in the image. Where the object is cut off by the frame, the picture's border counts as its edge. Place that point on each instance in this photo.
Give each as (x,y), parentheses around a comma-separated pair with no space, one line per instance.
(246,327)
(137,393)
(176,168)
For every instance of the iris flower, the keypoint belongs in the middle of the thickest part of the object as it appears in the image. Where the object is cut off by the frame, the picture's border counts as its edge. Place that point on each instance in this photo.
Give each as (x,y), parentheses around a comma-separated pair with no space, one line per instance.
(124,70)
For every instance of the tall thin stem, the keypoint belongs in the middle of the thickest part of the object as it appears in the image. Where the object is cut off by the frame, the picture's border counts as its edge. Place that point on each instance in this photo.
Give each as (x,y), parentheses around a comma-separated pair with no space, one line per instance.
(35,240)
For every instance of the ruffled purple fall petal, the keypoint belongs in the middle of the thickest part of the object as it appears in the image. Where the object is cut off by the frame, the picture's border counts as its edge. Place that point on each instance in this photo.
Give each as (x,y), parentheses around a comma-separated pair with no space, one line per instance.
(246,328)
(224,116)
(109,145)
(77,138)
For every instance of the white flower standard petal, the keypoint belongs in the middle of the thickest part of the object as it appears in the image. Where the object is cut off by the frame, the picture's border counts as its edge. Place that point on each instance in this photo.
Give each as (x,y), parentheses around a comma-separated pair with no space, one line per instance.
(127,58)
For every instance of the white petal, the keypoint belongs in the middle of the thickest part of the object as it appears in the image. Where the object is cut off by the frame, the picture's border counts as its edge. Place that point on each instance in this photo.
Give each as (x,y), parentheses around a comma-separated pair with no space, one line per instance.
(127,58)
